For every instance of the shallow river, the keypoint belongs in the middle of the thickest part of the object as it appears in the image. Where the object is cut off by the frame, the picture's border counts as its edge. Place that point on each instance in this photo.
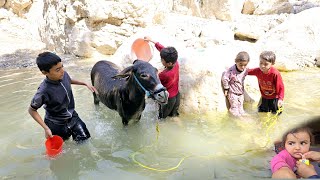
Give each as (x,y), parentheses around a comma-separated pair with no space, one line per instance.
(192,146)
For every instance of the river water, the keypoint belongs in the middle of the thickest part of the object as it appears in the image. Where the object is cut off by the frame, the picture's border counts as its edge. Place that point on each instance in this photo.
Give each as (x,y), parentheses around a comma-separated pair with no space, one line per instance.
(207,146)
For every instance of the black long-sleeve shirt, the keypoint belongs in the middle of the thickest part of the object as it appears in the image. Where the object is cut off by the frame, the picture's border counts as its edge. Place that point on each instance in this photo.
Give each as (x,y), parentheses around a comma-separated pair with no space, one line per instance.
(57,98)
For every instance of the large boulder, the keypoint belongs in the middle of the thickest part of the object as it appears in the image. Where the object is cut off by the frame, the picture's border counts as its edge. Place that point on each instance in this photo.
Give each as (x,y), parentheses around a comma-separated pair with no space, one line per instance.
(267,7)
(225,10)
(251,28)
(18,7)
(2,3)
(84,28)
(299,6)
(295,41)
(317,58)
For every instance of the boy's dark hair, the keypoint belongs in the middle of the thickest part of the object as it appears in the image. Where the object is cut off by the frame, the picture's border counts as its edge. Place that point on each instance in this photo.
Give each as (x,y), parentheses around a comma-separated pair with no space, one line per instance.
(268,56)
(297,130)
(169,54)
(46,60)
(242,56)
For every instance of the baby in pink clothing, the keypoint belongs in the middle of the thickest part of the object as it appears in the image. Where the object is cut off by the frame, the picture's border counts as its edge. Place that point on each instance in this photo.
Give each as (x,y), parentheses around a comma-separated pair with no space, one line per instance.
(233,83)
(296,142)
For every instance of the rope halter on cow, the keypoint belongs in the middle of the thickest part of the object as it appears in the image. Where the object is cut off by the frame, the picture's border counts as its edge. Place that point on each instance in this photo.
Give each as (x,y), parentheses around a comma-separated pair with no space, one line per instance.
(150,94)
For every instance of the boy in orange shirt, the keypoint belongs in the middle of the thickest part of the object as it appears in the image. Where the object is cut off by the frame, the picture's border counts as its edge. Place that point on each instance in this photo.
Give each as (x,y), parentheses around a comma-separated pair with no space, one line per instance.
(169,78)
(270,83)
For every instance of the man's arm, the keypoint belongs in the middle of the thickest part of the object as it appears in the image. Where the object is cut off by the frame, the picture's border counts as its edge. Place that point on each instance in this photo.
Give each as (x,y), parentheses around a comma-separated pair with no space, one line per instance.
(36,116)
(91,88)
(313,155)
(157,44)
(147,38)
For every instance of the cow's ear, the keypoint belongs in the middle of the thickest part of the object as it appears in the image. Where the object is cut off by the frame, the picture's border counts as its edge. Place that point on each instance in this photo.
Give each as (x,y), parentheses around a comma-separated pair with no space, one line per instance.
(120,76)
(124,73)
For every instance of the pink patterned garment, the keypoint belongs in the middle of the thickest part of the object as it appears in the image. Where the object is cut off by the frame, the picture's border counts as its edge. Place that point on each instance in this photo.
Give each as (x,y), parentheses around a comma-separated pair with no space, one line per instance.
(283,159)
(233,80)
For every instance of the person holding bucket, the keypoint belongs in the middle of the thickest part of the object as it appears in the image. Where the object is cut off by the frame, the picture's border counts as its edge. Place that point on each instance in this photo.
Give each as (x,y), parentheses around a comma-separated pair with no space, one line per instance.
(56,95)
(169,78)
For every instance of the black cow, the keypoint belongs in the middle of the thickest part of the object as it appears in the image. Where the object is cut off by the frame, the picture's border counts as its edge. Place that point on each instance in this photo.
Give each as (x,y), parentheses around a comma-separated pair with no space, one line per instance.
(125,91)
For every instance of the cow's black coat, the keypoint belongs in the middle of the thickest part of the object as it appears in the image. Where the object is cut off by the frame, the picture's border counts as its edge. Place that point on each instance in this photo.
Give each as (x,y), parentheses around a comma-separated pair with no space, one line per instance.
(121,92)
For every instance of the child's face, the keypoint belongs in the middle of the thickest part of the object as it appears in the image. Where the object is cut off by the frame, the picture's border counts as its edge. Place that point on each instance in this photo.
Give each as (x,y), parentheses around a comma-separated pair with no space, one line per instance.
(297,144)
(265,66)
(241,65)
(55,73)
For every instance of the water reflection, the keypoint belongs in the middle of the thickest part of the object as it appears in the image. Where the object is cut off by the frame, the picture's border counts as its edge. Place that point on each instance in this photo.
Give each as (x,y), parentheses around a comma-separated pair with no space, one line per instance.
(216,145)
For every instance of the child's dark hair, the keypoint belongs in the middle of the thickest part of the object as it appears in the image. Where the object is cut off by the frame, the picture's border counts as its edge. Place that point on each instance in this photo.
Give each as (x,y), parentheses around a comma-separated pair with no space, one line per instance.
(169,54)
(242,56)
(297,130)
(268,56)
(46,60)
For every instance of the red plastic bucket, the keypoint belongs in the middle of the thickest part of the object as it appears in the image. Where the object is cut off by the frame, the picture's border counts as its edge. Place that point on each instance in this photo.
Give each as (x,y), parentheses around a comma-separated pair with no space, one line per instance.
(142,50)
(54,145)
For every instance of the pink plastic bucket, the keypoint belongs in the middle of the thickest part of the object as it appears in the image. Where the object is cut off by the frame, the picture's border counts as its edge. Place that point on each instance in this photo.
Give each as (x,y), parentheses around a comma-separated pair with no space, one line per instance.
(142,50)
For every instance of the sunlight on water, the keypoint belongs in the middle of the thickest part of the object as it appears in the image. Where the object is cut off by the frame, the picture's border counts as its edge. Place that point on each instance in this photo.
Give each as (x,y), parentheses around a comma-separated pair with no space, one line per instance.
(212,145)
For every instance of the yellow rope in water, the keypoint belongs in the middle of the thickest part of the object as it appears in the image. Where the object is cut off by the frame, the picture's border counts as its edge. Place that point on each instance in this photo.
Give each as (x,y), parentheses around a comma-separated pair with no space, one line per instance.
(151,168)
(269,123)
(272,120)
(158,130)
(155,169)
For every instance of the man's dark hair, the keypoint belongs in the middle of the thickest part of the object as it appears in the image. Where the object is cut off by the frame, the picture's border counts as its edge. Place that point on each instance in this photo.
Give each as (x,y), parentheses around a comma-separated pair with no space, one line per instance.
(169,54)
(46,60)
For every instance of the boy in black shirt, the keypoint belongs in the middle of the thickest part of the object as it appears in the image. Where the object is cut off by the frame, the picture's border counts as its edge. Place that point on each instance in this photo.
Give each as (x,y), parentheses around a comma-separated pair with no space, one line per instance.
(56,95)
